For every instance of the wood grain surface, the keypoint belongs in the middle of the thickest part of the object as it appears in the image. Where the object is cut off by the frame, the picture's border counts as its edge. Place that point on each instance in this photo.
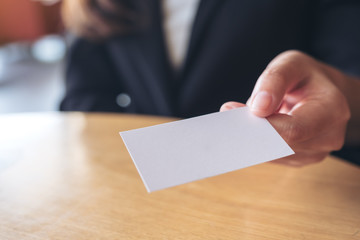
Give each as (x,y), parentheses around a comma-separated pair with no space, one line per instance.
(69,176)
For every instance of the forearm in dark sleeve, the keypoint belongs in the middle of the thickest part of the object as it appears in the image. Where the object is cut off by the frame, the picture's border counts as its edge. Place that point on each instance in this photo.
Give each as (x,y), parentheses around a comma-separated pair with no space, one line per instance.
(91,84)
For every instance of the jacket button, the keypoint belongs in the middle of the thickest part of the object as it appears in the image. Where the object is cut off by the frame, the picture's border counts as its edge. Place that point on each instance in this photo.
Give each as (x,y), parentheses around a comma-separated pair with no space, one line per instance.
(123,100)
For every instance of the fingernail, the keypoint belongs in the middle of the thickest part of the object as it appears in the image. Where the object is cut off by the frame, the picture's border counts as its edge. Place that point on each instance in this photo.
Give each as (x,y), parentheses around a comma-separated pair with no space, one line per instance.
(261,101)
(227,107)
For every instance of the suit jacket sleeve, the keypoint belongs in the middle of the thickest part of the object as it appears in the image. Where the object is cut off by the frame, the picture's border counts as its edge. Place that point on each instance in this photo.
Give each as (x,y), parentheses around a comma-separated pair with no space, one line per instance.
(336,41)
(91,83)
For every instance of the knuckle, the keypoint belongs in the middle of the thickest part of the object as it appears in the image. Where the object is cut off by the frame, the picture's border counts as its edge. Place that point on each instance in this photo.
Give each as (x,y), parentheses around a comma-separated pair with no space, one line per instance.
(285,65)
(333,143)
(344,113)
(333,146)
(275,74)
(338,144)
(293,54)
(347,113)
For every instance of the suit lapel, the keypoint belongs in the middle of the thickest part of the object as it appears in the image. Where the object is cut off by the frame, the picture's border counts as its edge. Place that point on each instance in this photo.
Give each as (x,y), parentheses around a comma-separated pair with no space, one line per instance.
(148,71)
(201,25)
(154,48)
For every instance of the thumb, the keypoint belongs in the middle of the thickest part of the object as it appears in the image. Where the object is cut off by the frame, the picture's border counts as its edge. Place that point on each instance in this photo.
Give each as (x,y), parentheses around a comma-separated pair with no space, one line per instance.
(281,76)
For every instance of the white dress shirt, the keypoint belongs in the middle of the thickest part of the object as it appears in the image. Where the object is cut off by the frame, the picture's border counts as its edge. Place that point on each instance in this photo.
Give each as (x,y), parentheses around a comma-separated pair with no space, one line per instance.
(178,18)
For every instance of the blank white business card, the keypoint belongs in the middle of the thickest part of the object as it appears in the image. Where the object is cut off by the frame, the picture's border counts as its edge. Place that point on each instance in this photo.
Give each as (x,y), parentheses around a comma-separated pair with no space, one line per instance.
(179,152)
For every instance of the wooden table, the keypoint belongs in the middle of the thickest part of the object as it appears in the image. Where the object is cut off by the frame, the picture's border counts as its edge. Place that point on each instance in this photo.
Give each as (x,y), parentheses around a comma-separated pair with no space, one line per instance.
(69,176)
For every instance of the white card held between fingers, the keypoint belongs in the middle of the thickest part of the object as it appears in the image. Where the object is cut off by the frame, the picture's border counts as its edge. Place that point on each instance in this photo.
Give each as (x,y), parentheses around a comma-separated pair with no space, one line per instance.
(178,152)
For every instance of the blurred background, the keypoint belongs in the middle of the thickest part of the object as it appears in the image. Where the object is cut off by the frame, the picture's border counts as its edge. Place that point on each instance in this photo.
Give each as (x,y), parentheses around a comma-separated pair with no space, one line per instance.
(32,51)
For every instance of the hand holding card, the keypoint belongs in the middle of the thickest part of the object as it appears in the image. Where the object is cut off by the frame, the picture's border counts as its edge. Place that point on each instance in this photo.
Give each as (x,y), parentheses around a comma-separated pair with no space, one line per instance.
(178,152)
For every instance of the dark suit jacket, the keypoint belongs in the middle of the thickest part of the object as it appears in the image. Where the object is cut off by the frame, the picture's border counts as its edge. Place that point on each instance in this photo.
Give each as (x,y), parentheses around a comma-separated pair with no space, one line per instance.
(231,43)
